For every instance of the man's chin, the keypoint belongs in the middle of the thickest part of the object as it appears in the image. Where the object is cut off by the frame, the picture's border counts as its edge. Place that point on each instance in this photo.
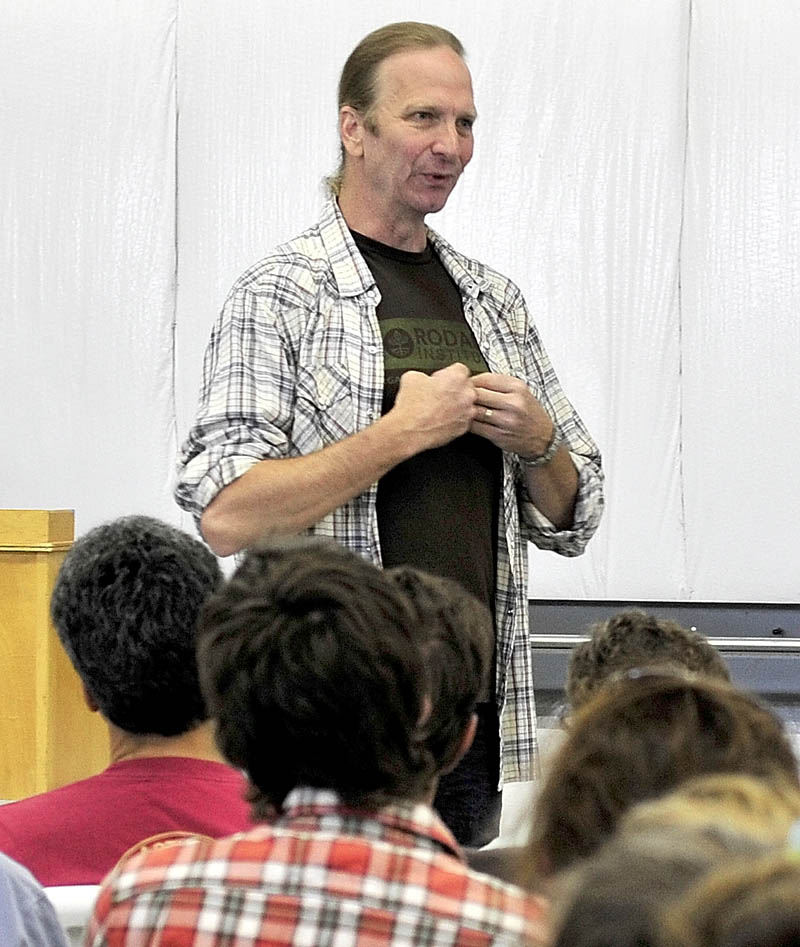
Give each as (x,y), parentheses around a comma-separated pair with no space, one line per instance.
(434,208)
(432,203)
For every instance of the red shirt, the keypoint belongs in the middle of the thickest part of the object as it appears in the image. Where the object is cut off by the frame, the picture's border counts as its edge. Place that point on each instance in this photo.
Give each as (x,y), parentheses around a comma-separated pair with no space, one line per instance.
(322,873)
(76,834)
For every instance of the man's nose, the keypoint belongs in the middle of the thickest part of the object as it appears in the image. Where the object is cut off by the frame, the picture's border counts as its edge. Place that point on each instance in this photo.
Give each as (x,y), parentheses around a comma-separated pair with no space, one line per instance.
(447,139)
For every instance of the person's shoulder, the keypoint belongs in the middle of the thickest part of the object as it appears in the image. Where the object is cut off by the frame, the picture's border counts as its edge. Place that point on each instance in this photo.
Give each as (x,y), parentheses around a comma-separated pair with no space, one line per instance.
(492,904)
(38,830)
(34,810)
(144,869)
(500,887)
(214,864)
(299,266)
(498,862)
(26,913)
(146,862)
(289,260)
(15,878)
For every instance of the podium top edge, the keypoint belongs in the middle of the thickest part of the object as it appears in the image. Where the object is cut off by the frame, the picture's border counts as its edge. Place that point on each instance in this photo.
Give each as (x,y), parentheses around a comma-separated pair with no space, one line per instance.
(32,528)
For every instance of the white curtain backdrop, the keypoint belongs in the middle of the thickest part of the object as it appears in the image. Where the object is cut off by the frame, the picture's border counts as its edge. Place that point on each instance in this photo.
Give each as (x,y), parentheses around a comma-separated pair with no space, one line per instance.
(87,257)
(637,172)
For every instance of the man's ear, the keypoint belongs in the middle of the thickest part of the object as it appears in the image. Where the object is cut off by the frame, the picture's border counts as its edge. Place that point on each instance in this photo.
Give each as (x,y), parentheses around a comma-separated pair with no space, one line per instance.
(427,707)
(351,130)
(466,742)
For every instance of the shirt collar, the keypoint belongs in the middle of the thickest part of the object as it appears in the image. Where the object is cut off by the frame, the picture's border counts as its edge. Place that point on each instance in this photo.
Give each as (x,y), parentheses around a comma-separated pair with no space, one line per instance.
(401,822)
(352,275)
(470,283)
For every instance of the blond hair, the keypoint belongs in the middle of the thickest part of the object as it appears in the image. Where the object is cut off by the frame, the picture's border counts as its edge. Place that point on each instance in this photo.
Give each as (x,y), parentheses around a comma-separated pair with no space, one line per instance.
(764,808)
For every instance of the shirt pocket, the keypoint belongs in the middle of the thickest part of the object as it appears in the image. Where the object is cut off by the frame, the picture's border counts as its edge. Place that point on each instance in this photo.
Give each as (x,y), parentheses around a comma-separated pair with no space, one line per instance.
(324,406)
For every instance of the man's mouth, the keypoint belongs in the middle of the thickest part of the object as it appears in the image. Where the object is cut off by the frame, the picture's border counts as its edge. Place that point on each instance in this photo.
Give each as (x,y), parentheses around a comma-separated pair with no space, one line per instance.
(438,177)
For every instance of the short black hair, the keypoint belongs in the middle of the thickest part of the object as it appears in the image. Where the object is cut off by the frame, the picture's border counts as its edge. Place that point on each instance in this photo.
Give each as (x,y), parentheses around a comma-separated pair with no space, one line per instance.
(311,662)
(125,606)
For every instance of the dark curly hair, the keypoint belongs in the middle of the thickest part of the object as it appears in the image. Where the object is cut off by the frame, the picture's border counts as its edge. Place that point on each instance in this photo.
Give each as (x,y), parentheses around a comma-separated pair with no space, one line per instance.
(312,662)
(634,638)
(125,606)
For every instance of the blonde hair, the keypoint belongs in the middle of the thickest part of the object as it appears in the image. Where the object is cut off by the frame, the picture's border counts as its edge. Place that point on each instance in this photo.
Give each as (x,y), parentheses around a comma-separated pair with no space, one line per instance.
(660,850)
(759,807)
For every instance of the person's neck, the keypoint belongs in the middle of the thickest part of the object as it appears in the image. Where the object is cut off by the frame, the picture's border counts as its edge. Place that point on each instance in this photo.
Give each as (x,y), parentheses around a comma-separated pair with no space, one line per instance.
(195,744)
(408,233)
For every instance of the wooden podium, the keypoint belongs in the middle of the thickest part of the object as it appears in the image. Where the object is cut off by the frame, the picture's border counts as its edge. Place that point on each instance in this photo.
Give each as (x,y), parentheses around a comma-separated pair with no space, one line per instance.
(48,736)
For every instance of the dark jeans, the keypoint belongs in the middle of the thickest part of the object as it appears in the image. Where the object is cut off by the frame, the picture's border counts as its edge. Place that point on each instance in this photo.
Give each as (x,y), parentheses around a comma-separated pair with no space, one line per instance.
(467,798)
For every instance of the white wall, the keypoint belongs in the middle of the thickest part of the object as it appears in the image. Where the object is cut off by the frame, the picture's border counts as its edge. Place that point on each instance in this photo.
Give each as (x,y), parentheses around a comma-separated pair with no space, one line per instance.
(87,257)
(637,172)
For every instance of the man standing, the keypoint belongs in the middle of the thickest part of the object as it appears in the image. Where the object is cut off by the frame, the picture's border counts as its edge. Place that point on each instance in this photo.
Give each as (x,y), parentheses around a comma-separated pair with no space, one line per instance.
(369,383)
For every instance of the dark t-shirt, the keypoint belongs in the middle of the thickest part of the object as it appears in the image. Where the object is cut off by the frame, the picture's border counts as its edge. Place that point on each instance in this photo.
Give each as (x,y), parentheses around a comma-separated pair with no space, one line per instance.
(438,510)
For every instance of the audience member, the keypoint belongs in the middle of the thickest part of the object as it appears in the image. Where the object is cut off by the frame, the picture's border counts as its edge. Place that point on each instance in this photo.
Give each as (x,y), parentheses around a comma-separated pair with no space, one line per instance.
(637,739)
(763,808)
(27,918)
(636,639)
(755,904)
(322,676)
(125,606)
(660,849)
(626,641)
(614,897)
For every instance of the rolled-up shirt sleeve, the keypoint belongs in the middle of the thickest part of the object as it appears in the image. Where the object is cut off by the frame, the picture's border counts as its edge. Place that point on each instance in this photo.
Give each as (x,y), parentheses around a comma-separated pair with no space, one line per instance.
(585,454)
(588,511)
(246,402)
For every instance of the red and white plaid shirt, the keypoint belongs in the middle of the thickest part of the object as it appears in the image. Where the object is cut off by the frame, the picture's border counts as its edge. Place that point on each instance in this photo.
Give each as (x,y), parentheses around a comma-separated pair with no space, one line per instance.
(322,874)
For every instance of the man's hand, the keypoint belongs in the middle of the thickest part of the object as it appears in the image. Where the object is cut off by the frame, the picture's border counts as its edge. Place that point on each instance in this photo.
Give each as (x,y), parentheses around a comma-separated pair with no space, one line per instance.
(509,415)
(436,408)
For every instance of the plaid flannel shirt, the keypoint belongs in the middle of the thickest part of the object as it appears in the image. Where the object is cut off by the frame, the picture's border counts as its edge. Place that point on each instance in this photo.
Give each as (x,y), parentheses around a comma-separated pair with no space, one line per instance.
(295,362)
(321,874)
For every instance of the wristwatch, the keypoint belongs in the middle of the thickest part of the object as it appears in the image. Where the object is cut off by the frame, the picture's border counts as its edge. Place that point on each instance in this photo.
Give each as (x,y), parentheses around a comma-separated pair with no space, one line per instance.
(547,456)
